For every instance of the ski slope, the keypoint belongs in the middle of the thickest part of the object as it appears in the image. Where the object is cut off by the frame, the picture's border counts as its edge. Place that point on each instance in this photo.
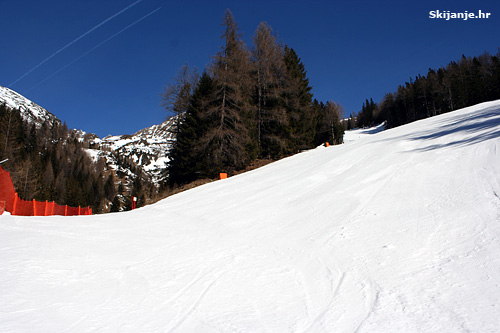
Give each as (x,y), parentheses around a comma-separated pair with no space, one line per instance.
(398,231)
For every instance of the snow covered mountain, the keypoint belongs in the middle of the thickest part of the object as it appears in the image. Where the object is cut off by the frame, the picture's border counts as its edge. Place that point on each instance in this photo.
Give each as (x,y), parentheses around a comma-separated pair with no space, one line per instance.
(147,148)
(397,231)
(30,111)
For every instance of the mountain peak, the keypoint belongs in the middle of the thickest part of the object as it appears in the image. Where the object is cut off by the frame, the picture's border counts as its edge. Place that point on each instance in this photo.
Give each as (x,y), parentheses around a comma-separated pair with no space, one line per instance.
(30,111)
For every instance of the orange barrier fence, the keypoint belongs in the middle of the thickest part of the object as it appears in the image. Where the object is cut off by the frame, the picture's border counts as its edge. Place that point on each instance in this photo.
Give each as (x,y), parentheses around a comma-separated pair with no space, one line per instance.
(18,206)
(7,190)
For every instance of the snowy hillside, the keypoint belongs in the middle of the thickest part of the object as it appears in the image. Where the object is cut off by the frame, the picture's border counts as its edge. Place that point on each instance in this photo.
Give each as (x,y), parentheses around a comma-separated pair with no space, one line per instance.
(359,133)
(398,231)
(30,111)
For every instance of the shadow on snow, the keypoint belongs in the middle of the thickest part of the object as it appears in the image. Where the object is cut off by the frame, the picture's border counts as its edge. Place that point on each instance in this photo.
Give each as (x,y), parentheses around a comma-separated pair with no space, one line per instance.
(470,129)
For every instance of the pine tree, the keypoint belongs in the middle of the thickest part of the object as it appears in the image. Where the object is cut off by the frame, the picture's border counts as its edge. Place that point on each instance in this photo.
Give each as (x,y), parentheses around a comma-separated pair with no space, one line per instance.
(115,204)
(247,105)
(495,77)
(297,99)
(460,84)
(330,128)
(186,160)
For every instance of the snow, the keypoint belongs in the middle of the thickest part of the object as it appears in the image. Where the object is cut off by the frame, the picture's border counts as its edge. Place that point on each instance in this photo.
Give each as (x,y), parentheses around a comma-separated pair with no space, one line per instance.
(30,111)
(93,154)
(398,231)
(147,148)
(359,133)
(159,164)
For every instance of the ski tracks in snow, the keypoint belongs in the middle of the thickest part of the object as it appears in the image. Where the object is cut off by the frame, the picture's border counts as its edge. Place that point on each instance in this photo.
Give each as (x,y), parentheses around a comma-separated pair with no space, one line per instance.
(193,307)
(351,302)
(320,316)
(195,291)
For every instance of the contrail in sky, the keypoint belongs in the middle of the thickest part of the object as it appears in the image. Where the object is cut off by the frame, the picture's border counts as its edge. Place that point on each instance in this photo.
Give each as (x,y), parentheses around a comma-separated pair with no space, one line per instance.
(74,41)
(95,47)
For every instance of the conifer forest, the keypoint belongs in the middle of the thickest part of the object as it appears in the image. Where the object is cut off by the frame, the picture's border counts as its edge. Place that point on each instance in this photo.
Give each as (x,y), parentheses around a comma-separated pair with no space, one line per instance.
(250,103)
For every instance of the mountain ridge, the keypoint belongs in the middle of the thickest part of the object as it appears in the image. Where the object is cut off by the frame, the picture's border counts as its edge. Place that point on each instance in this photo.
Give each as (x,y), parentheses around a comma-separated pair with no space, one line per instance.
(147,148)
(30,111)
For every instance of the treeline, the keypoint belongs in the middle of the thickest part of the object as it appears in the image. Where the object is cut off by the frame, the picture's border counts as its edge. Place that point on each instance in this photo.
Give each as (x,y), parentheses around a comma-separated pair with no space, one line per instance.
(249,103)
(460,84)
(48,163)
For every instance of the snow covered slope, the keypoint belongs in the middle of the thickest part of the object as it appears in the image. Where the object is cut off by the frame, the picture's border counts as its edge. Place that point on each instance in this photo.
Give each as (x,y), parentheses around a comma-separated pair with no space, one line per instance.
(30,111)
(358,133)
(395,232)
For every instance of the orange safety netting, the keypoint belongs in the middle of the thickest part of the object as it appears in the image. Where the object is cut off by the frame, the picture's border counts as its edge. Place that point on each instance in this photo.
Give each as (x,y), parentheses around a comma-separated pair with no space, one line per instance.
(18,206)
(7,190)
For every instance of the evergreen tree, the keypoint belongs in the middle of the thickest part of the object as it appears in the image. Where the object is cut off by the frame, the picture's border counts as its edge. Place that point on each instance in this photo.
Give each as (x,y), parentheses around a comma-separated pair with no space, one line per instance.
(297,99)
(248,105)
(460,84)
(45,163)
(187,161)
(115,204)
(12,135)
(330,127)
(495,78)
(368,114)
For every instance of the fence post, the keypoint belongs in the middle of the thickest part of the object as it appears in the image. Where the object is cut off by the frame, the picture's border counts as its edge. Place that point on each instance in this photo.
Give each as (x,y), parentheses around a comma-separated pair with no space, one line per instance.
(65,210)
(34,208)
(16,199)
(79,210)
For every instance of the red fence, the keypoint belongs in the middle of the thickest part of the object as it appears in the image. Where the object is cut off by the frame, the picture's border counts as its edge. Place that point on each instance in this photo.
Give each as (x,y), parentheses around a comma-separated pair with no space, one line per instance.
(18,206)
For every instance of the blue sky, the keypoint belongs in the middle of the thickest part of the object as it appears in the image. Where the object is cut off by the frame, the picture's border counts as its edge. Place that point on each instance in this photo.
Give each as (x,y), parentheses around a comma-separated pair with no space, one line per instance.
(105,74)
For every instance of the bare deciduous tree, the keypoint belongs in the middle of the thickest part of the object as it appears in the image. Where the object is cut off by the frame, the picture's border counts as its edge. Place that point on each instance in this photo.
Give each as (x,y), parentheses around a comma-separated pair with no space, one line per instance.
(176,96)
(267,57)
(226,111)
(333,112)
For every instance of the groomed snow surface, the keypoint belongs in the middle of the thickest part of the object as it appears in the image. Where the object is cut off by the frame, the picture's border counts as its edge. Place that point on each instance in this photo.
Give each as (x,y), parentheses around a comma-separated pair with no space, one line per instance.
(398,231)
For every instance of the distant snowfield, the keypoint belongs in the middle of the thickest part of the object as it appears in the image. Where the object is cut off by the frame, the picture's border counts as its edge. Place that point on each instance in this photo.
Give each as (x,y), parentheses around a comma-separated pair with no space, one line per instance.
(358,133)
(398,231)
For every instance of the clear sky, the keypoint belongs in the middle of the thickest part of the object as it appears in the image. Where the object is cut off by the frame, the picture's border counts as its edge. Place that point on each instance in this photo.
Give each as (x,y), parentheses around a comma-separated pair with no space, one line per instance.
(102,65)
